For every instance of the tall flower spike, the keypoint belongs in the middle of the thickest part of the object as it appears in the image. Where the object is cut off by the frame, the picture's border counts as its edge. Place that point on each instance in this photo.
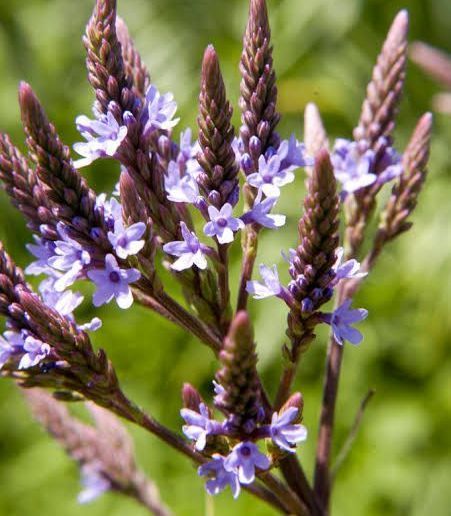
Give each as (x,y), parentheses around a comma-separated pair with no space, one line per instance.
(134,67)
(315,136)
(218,180)
(104,60)
(24,188)
(311,269)
(66,188)
(258,84)
(377,121)
(405,193)
(240,400)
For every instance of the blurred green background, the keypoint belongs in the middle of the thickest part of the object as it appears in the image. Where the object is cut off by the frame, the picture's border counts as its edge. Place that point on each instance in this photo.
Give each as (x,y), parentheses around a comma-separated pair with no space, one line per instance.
(324,51)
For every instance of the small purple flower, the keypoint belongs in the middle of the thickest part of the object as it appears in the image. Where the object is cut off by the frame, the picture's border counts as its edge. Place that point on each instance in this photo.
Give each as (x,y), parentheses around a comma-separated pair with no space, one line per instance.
(70,257)
(180,188)
(220,478)
(10,344)
(260,213)
(285,434)
(389,164)
(104,137)
(288,257)
(126,241)
(63,302)
(353,165)
(113,282)
(112,210)
(270,176)
(341,320)
(187,157)
(293,155)
(42,250)
(189,251)
(243,459)
(347,270)
(271,285)
(36,351)
(158,111)
(94,484)
(222,223)
(199,425)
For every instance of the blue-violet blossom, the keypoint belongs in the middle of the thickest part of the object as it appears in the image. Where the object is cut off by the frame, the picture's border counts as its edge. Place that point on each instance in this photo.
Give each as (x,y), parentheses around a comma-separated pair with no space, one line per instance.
(243,459)
(341,320)
(199,425)
(113,282)
(36,351)
(283,432)
(189,250)
(127,241)
(222,223)
(220,477)
(94,484)
(180,188)
(158,111)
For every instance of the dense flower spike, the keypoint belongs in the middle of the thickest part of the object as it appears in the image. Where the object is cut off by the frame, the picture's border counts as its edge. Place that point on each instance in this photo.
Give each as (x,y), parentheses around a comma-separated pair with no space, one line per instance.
(24,188)
(241,398)
(218,179)
(377,121)
(405,192)
(258,85)
(311,269)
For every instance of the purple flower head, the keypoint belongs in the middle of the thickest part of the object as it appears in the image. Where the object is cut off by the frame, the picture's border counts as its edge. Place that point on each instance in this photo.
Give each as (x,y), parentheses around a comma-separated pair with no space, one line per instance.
(104,137)
(270,176)
(63,302)
(341,320)
(389,164)
(42,250)
(113,282)
(283,432)
(288,257)
(346,270)
(222,223)
(126,241)
(293,155)
(271,285)
(187,157)
(199,425)
(36,351)
(158,111)
(353,166)
(70,257)
(220,478)
(94,484)
(112,210)
(243,459)
(189,251)
(260,213)
(10,344)
(180,188)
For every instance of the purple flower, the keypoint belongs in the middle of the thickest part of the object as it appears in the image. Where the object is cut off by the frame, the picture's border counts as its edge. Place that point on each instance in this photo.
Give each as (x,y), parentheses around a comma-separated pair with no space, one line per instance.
(353,165)
(126,241)
(158,111)
(389,164)
(10,344)
(187,157)
(113,282)
(243,459)
(285,434)
(347,270)
(94,484)
(220,477)
(222,224)
(271,285)
(199,425)
(341,320)
(292,154)
(42,250)
(270,176)
(70,257)
(180,188)
(189,251)
(63,302)
(260,213)
(36,350)
(104,137)
(288,257)
(112,210)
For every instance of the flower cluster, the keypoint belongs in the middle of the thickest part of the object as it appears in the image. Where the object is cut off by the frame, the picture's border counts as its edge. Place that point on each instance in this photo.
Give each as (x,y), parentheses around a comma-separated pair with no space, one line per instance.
(244,459)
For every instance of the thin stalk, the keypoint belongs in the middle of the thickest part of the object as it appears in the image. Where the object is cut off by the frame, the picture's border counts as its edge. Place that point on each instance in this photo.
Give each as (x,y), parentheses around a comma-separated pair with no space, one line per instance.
(291,501)
(224,288)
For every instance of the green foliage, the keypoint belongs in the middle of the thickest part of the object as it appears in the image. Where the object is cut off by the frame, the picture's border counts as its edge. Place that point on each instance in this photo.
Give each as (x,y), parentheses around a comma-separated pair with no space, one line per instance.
(324,51)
